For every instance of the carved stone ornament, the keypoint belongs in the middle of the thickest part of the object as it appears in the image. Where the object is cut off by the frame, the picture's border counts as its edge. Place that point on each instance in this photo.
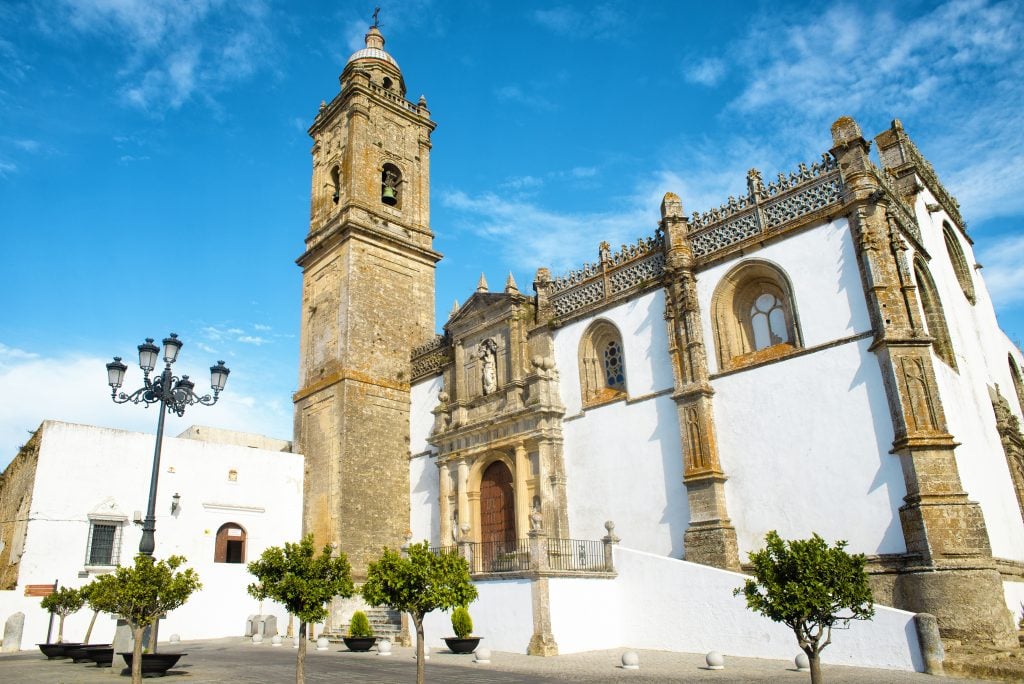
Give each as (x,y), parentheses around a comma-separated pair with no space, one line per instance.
(487,352)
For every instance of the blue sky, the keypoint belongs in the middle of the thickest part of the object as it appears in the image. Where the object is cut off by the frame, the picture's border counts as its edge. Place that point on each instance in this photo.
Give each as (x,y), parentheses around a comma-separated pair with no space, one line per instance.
(155,166)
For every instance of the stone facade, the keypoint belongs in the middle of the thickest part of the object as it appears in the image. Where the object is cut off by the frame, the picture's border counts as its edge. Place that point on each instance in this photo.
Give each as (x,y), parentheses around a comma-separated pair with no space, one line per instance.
(16,484)
(368,292)
(497,436)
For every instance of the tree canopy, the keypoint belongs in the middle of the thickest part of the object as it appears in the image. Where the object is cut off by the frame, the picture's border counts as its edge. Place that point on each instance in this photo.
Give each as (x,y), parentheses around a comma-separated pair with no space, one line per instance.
(420,583)
(63,602)
(301,580)
(141,594)
(809,586)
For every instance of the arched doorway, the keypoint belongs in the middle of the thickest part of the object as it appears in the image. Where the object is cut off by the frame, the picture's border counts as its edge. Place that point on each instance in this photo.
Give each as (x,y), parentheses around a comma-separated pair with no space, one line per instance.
(497,513)
(230,544)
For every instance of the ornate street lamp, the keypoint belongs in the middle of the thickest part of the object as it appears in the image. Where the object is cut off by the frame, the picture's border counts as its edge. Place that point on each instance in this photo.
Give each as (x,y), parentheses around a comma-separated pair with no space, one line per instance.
(173,394)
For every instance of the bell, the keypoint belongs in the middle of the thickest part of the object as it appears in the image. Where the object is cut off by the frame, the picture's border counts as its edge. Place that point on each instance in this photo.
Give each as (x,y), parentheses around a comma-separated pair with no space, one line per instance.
(389,196)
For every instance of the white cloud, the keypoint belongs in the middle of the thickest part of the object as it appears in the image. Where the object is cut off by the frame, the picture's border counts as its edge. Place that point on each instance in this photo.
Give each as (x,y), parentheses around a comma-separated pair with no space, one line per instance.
(598,21)
(515,94)
(84,397)
(174,51)
(7,168)
(1004,270)
(251,339)
(708,71)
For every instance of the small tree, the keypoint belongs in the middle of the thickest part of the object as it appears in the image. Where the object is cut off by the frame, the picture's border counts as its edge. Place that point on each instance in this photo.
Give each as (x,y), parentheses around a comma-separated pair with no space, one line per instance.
(360,625)
(141,594)
(462,623)
(809,586)
(63,602)
(87,592)
(418,584)
(303,582)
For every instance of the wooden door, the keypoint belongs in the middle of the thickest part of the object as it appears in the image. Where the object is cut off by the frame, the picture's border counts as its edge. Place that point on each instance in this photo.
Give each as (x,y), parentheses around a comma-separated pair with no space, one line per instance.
(497,513)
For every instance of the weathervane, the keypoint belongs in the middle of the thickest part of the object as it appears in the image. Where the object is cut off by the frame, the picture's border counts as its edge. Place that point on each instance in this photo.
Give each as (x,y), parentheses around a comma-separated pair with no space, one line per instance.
(376,17)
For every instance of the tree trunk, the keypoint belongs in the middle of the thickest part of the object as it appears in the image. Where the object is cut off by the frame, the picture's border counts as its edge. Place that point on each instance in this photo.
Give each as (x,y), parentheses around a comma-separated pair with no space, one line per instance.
(88,632)
(60,629)
(815,665)
(137,655)
(421,670)
(300,657)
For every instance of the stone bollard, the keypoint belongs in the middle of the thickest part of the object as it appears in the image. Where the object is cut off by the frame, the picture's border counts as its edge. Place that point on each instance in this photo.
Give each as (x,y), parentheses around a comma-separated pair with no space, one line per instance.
(322,644)
(802,662)
(13,630)
(276,640)
(630,660)
(715,660)
(384,647)
(482,655)
(931,643)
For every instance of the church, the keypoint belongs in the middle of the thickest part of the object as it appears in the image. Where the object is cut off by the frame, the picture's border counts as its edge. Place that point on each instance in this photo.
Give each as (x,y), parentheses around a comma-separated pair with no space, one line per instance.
(606,446)
(817,354)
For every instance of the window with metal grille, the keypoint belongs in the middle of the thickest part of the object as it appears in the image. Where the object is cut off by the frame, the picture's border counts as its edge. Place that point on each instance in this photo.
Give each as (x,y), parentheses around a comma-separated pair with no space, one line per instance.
(104,545)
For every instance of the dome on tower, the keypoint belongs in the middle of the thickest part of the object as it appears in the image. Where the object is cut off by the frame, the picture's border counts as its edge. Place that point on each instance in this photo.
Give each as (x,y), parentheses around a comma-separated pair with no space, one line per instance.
(374,49)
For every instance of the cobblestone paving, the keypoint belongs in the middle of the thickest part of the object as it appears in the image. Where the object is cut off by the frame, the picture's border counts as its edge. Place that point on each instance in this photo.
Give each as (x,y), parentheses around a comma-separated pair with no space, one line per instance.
(236,661)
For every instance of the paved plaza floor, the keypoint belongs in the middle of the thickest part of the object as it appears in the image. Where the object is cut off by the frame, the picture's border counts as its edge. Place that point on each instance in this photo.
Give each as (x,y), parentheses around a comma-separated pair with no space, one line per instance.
(237,661)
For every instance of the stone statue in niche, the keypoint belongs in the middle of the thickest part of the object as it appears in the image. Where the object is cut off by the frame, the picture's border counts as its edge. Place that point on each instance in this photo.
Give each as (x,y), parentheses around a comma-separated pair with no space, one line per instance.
(488,355)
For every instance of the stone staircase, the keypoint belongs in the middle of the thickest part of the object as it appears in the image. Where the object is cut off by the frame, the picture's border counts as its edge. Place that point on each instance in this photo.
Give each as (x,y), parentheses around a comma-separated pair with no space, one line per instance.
(383,621)
(980,662)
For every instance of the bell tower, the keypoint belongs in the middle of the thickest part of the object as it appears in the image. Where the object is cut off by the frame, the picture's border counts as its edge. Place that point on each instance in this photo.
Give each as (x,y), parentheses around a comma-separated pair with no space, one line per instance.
(367,298)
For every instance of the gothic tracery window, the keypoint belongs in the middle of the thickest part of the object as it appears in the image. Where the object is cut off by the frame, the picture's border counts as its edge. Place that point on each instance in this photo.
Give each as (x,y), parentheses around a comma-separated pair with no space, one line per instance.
(959,261)
(602,364)
(934,317)
(753,315)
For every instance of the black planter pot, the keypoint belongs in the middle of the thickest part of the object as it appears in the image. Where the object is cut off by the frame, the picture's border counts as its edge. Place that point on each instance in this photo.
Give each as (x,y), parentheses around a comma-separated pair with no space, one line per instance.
(54,651)
(359,644)
(154,663)
(79,654)
(102,655)
(467,645)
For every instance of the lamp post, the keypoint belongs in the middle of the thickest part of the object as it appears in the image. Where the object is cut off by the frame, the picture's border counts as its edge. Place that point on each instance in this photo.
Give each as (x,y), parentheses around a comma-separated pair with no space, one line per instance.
(173,393)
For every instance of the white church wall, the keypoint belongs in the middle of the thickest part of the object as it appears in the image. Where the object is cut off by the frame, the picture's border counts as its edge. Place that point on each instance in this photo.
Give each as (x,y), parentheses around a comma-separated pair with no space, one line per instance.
(424,511)
(623,460)
(694,611)
(587,614)
(980,349)
(502,615)
(85,469)
(822,268)
(805,444)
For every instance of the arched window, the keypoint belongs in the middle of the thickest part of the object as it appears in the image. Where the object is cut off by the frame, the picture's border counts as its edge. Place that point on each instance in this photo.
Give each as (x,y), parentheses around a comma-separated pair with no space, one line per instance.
(391,185)
(956,257)
(230,544)
(753,315)
(1018,382)
(602,364)
(934,318)
(336,184)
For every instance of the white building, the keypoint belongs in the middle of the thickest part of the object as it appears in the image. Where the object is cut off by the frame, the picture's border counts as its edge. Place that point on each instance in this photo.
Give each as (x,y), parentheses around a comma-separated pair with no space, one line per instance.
(74,497)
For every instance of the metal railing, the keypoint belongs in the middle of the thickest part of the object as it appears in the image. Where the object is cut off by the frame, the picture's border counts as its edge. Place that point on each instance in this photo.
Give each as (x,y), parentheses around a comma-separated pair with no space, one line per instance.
(577,555)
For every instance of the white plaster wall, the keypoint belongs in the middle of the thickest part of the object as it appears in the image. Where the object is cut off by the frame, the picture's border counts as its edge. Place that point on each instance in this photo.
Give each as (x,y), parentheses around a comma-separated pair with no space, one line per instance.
(83,467)
(587,614)
(1014,593)
(502,615)
(672,605)
(822,268)
(623,460)
(981,350)
(424,505)
(641,323)
(805,443)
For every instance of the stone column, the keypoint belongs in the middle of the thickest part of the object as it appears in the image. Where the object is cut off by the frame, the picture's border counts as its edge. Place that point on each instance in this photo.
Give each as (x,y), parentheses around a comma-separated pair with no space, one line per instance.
(542,643)
(522,492)
(710,538)
(950,572)
(444,482)
(463,486)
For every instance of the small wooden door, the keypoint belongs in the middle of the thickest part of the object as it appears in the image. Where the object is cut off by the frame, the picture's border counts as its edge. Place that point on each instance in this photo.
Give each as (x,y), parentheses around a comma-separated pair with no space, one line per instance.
(497,512)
